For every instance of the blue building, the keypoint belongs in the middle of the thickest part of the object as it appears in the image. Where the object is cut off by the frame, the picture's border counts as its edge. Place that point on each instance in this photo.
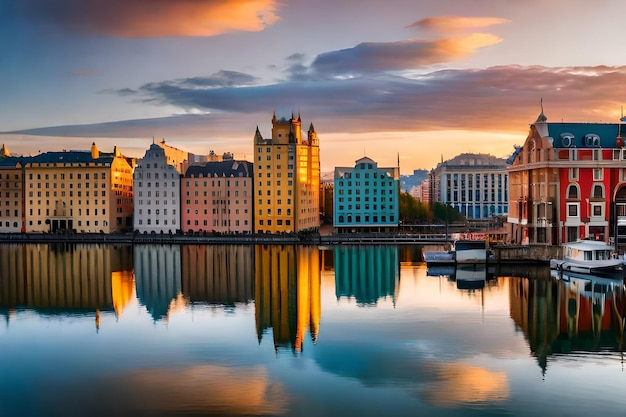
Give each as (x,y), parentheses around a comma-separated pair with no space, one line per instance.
(366,198)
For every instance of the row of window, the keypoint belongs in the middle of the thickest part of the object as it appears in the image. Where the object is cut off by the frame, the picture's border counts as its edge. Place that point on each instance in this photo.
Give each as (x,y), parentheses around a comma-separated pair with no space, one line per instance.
(365,207)
(79,176)
(366,219)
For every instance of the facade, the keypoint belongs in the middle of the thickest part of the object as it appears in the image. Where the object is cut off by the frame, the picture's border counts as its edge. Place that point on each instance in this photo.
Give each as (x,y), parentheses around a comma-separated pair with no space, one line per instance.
(178,158)
(11,193)
(287,178)
(366,198)
(157,193)
(569,182)
(474,184)
(78,191)
(217,197)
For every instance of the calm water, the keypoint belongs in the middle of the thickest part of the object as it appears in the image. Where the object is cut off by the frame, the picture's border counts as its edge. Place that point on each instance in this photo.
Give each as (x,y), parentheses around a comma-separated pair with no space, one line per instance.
(284,331)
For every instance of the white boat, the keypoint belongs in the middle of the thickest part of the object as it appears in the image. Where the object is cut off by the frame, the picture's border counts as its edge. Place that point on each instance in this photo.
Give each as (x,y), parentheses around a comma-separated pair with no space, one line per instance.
(471,276)
(589,257)
(470,251)
(439,257)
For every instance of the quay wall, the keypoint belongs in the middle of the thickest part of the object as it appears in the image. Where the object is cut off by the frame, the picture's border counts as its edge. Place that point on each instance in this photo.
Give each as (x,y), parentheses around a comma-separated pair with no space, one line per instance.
(502,253)
(526,253)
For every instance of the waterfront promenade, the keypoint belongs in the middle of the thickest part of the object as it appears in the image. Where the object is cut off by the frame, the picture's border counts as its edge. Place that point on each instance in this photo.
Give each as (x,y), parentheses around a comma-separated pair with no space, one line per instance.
(503,253)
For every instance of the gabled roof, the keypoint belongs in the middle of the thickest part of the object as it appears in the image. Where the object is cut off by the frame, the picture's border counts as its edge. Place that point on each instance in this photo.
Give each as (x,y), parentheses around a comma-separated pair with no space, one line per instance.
(221,169)
(366,160)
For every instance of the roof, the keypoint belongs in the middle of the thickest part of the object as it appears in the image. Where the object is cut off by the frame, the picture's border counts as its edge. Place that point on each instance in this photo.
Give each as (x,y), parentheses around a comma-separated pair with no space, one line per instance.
(579,135)
(221,169)
(69,157)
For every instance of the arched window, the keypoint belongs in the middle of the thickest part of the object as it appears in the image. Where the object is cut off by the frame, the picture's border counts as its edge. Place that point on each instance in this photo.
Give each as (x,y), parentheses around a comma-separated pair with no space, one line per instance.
(349,218)
(598,191)
(340,219)
(572,192)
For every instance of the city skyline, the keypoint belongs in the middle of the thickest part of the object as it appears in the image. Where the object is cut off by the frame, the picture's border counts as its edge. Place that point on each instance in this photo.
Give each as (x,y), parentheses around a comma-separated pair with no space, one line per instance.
(376,79)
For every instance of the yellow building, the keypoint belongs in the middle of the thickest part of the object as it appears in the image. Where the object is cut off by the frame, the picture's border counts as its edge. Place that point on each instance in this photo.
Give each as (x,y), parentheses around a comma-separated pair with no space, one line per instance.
(175,157)
(11,192)
(81,191)
(287,178)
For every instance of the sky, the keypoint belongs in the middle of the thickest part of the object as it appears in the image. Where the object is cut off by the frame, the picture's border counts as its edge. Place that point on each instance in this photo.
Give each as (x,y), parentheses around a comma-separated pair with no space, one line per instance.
(423,79)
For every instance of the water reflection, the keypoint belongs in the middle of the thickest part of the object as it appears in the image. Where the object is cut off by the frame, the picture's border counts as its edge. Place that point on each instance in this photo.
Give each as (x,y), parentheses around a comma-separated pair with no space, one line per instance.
(367,273)
(560,316)
(157,276)
(76,279)
(221,275)
(287,293)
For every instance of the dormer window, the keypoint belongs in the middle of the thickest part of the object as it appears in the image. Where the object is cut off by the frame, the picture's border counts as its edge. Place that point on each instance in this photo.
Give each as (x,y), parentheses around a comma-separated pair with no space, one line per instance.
(567,140)
(592,139)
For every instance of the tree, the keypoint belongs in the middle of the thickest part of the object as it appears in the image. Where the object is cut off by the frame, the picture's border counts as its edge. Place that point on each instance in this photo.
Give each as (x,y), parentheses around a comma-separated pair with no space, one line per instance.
(412,210)
(446,214)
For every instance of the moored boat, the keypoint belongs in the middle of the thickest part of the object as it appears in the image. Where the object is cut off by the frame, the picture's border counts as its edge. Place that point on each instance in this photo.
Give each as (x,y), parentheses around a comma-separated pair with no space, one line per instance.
(589,257)
(470,251)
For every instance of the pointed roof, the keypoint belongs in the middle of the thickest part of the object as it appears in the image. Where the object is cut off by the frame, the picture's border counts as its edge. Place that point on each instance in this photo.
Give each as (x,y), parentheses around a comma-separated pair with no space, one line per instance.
(542,117)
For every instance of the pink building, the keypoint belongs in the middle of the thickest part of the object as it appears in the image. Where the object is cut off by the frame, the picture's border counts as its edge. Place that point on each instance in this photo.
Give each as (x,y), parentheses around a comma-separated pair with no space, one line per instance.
(217,197)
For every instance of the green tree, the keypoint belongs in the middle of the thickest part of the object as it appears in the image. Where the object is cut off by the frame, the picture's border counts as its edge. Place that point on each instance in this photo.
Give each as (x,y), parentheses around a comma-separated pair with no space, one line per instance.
(446,214)
(412,210)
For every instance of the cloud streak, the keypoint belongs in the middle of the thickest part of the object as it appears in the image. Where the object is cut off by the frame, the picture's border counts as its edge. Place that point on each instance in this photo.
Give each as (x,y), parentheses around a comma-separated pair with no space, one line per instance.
(454,24)
(496,99)
(398,56)
(152,18)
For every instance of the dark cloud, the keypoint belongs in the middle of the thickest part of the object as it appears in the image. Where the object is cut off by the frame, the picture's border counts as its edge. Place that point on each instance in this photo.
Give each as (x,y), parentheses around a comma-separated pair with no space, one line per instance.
(497,99)
(373,57)
(489,99)
(150,18)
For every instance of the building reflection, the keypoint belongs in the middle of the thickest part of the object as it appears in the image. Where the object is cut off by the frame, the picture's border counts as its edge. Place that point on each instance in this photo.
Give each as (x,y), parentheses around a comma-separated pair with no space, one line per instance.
(287,293)
(561,317)
(158,278)
(367,273)
(218,274)
(63,279)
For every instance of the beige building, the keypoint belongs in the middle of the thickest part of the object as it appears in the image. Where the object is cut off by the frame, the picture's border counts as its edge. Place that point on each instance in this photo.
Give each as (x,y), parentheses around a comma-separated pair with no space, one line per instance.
(287,178)
(81,191)
(11,192)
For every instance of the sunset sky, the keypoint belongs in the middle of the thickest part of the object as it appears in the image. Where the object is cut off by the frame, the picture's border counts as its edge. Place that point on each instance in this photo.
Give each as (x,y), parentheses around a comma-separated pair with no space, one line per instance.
(427,79)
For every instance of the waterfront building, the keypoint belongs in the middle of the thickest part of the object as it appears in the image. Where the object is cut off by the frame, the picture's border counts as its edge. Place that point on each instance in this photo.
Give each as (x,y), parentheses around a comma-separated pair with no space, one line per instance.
(366,197)
(474,184)
(178,158)
(78,191)
(287,178)
(157,193)
(218,197)
(567,182)
(11,193)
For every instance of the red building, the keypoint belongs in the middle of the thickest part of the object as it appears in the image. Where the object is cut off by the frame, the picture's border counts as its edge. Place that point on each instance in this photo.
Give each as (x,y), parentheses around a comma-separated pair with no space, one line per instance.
(568,182)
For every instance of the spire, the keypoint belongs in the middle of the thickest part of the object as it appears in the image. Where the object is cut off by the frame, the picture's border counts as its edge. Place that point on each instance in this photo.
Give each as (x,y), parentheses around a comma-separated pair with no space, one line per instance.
(311,127)
(95,153)
(4,152)
(257,135)
(542,117)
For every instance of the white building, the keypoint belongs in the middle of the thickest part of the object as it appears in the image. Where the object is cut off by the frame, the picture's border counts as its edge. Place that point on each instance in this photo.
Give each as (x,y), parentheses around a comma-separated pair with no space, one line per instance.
(475,184)
(156,199)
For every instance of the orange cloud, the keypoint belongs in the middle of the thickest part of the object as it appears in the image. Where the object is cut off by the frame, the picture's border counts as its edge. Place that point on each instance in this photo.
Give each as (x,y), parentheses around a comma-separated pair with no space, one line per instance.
(155,18)
(453,24)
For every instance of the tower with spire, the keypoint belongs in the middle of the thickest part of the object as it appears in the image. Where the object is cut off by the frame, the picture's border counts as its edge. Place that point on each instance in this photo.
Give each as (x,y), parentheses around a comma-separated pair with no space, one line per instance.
(287,172)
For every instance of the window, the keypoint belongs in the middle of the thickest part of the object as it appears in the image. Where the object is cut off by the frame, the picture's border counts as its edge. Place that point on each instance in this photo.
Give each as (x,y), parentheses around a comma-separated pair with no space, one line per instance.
(597,174)
(572,192)
(597,191)
(596,210)
(573,174)
(572,210)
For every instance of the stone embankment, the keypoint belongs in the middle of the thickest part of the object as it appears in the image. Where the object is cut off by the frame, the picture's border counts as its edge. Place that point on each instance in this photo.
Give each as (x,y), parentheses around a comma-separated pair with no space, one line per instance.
(503,253)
